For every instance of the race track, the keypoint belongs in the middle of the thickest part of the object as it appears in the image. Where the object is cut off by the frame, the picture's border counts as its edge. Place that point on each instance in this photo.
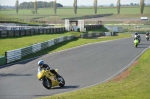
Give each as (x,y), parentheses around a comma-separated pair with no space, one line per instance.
(81,67)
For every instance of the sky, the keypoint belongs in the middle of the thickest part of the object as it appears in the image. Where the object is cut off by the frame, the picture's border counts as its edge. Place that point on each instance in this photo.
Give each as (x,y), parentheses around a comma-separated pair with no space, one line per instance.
(80,2)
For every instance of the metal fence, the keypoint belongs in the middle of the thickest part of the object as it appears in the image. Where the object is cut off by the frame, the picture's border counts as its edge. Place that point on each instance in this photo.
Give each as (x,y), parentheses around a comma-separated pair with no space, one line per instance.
(17,33)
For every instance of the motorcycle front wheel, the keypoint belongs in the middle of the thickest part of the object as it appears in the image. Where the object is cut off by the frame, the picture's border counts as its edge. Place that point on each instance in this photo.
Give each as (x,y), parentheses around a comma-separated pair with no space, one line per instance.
(147,39)
(62,84)
(47,83)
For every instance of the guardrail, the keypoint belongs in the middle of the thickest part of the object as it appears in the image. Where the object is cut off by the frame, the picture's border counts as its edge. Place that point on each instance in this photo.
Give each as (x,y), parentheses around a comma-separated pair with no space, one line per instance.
(18,54)
(17,33)
(27,32)
(91,35)
(90,27)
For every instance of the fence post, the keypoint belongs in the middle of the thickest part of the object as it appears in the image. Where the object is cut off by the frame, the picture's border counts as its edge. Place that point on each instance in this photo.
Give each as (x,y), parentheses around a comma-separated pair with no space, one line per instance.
(0,34)
(7,33)
(6,56)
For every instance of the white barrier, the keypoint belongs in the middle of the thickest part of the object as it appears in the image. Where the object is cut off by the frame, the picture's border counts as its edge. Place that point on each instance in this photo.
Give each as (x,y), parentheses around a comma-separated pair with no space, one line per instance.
(13,55)
(18,54)
(144,18)
(36,47)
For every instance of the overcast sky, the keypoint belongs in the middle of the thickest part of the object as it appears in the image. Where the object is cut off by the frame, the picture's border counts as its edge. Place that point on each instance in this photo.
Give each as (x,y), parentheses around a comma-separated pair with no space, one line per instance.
(80,2)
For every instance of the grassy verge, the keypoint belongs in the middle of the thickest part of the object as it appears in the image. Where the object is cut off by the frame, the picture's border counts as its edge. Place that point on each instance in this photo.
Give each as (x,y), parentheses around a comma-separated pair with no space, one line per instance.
(132,84)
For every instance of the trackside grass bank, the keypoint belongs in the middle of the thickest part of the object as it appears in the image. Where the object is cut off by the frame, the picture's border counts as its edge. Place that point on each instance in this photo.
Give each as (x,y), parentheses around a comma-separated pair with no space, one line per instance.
(132,84)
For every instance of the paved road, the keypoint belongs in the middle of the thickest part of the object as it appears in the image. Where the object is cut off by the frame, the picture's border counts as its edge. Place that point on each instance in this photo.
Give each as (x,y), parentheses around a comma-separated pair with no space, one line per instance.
(81,67)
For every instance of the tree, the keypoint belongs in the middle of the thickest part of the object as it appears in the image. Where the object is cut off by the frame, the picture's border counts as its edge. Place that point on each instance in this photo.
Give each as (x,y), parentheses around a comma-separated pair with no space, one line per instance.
(35,6)
(131,4)
(75,6)
(17,6)
(95,6)
(55,6)
(118,6)
(142,6)
(40,4)
(0,6)
(111,5)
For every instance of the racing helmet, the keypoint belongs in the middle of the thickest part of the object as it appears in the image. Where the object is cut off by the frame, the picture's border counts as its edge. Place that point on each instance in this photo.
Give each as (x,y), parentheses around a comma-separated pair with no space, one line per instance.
(136,33)
(40,63)
(135,36)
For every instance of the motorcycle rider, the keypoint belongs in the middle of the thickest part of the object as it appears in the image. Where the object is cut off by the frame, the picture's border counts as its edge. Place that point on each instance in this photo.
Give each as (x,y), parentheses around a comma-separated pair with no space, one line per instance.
(136,35)
(139,36)
(147,34)
(47,67)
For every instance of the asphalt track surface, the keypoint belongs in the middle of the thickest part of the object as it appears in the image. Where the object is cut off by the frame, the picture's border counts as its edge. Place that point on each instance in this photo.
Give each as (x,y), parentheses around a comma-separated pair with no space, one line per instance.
(81,67)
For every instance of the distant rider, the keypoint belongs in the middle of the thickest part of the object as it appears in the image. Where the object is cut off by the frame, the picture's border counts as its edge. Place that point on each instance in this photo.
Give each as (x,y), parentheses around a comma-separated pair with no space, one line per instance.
(45,66)
(136,35)
(139,36)
(147,34)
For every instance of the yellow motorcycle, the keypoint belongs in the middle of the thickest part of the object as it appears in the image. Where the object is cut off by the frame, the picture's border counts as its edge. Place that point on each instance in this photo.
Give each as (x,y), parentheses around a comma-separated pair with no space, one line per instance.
(49,79)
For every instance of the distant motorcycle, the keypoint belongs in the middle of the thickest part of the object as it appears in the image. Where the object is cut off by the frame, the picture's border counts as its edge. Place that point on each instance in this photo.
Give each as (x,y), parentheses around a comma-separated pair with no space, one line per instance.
(139,38)
(147,37)
(49,79)
(136,42)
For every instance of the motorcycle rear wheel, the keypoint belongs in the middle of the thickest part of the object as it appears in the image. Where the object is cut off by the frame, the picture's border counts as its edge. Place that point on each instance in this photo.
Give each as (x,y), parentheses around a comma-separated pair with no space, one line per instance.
(136,45)
(147,39)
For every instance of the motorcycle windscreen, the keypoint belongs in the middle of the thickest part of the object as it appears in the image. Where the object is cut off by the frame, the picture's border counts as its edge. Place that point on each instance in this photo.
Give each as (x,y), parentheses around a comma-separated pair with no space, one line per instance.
(40,73)
(56,70)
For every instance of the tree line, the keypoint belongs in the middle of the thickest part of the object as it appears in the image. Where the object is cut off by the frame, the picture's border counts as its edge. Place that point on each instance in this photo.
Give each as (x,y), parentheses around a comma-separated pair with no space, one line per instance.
(39,4)
(54,4)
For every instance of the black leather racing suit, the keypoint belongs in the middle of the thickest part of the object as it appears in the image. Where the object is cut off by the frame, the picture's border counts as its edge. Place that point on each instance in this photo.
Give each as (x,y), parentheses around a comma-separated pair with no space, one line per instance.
(48,68)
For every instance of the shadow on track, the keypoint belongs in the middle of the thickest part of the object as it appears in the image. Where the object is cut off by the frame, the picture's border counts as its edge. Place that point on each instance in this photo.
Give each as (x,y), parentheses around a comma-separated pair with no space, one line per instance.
(142,47)
(66,87)
(144,44)
(9,75)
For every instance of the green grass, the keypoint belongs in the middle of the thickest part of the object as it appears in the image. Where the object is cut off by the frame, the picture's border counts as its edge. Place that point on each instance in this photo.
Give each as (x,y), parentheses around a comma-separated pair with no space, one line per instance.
(68,12)
(134,86)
